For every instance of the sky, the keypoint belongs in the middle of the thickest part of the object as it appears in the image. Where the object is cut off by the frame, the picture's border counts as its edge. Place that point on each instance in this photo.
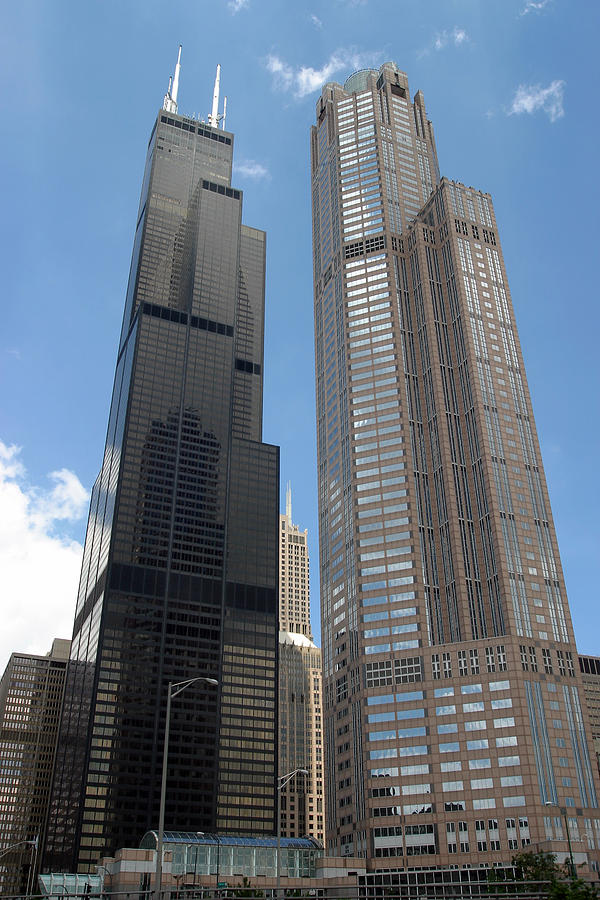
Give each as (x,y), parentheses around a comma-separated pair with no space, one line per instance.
(511,89)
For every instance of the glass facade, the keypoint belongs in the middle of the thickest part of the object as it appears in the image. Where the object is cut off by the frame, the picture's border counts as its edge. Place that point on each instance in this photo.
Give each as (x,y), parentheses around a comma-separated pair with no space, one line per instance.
(226,856)
(179,574)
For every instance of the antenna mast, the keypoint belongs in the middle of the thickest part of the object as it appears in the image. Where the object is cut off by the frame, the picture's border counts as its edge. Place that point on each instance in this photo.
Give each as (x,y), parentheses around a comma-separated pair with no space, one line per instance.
(176,78)
(214,117)
(170,101)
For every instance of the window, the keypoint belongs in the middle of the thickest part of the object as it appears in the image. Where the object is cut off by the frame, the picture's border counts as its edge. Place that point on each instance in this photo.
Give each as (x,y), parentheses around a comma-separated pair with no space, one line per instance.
(524,658)
(451,766)
(476,725)
(447,664)
(483,763)
(533,659)
(452,786)
(474,661)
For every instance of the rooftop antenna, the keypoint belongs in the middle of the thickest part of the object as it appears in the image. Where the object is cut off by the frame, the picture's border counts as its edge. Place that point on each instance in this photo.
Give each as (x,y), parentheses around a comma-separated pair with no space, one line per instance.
(288,501)
(214,117)
(224,113)
(170,101)
(176,78)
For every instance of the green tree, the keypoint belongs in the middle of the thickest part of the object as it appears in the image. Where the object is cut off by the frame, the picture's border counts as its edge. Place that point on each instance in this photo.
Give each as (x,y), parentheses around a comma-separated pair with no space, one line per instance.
(530,866)
(575,889)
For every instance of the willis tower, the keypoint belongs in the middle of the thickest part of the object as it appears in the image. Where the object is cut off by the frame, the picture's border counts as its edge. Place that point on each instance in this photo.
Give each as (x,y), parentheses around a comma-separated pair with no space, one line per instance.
(179,573)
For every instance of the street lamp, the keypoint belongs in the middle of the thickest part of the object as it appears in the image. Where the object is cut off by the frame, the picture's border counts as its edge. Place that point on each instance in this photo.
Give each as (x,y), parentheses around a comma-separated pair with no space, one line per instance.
(218,859)
(33,862)
(282,781)
(174,689)
(198,834)
(572,869)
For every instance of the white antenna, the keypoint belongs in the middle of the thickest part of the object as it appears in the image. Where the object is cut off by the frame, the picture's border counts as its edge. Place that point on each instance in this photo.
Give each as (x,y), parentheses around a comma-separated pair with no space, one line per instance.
(176,78)
(288,501)
(213,119)
(224,113)
(170,101)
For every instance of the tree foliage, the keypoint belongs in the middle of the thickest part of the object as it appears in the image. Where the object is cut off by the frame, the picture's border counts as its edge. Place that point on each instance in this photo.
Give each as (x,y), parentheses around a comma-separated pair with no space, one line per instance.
(530,866)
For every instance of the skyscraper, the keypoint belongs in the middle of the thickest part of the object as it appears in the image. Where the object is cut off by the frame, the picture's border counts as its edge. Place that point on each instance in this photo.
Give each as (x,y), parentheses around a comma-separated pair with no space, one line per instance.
(300,688)
(31,691)
(455,727)
(179,574)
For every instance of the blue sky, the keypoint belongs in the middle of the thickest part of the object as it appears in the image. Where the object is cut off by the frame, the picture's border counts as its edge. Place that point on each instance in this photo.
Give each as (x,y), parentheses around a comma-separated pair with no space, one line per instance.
(511,88)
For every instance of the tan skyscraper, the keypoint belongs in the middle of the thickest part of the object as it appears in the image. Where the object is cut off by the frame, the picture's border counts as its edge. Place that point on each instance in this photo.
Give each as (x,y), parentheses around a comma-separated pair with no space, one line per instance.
(300,715)
(453,701)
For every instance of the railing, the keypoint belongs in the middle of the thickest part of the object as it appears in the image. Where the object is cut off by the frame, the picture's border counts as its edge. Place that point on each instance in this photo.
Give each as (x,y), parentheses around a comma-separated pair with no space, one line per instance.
(437,890)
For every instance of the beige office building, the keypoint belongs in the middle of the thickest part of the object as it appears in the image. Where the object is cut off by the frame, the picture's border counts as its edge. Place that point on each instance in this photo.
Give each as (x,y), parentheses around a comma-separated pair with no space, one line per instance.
(453,702)
(300,712)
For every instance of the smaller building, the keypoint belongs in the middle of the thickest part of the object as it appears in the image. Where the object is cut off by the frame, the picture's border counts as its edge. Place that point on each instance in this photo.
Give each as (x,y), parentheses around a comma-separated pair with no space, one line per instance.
(31,693)
(590,673)
(300,694)
(226,856)
(230,861)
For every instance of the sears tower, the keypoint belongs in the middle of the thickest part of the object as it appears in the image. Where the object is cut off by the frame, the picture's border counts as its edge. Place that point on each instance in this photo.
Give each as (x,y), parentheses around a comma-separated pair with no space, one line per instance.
(179,573)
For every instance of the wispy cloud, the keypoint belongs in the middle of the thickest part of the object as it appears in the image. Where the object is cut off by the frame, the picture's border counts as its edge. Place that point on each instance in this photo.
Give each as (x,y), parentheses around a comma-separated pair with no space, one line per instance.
(453,37)
(304,80)
(533,97)
(39,562)
(251,169)
(456,36)
(236,5)
(533,6)
(316,21)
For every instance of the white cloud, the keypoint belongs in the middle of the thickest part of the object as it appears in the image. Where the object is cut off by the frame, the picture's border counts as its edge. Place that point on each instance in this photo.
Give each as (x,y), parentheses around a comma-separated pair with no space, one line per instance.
(236,5)
(456,36)
(316,21)
(531,98)
(39,562)
(251,169)
(304,80)
(533,6)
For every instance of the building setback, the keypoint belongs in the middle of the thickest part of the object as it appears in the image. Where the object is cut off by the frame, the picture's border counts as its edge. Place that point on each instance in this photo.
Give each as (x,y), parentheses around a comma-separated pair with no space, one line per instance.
(179,574)
(31,692)
(300,695)
(589,667)
(453,703)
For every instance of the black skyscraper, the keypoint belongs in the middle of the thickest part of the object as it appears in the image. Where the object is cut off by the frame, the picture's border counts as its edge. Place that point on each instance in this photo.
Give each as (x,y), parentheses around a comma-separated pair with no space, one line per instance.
(179,574)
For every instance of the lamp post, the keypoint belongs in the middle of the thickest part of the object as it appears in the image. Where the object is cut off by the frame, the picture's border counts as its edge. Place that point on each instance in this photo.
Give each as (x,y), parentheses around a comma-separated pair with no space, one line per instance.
(33,862)
(174,689)
(198,834)
(282,781)
(563,812)
(218,859)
